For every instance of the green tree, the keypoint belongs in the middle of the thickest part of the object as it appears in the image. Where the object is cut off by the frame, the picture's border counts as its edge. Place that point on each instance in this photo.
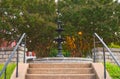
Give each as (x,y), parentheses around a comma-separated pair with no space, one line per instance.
(36,18)
(90,16)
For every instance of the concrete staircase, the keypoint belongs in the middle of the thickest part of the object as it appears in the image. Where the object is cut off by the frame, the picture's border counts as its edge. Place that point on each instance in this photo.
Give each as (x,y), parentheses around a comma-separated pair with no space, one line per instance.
(60,71)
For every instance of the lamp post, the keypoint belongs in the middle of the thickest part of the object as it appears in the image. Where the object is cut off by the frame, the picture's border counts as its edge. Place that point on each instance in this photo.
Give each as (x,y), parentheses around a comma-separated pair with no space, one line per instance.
(59,30)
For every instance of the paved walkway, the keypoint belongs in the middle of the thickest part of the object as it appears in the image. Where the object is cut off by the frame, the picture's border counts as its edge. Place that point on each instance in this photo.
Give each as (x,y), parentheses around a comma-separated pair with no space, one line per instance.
(22,71)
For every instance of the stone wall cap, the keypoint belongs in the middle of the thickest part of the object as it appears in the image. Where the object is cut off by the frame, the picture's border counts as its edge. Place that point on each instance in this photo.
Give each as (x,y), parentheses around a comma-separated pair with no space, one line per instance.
(11,49)
(112,49)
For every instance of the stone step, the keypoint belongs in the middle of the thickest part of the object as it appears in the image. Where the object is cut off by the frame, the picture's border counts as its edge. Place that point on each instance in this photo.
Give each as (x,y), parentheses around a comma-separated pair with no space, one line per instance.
(59,71)
(60,65)
(60,76)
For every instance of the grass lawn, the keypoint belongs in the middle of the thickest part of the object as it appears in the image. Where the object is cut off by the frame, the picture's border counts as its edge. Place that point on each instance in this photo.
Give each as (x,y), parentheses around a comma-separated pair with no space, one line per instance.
(10,70)
(113,70)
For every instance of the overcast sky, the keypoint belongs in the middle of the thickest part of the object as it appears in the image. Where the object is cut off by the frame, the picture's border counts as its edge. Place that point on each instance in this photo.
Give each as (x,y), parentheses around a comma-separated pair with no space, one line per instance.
(118,0)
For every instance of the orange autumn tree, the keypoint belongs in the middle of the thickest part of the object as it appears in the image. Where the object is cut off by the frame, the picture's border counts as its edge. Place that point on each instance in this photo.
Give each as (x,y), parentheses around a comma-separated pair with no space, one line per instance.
(77,45)
(70,43)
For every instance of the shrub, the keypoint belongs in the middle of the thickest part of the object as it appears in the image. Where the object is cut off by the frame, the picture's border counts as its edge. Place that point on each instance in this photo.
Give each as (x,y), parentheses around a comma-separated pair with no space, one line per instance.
(53,53)
(112,45)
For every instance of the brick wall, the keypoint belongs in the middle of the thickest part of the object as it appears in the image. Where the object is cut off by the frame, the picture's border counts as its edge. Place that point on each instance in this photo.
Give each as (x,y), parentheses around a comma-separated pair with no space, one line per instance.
(99,54)
(5,53)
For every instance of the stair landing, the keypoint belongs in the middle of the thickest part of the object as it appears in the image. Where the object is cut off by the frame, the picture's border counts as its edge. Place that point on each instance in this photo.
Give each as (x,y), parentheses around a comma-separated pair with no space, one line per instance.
(63,59)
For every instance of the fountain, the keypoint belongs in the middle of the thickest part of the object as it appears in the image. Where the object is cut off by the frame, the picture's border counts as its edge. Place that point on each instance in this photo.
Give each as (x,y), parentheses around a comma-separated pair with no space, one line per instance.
(60,57)
(59,39)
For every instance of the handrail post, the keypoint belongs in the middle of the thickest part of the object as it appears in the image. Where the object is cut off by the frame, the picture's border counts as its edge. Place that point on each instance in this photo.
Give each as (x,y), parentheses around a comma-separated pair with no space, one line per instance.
(5,73)
(25,49)
(104,63)
(94,49)
(17,64)
(5,70)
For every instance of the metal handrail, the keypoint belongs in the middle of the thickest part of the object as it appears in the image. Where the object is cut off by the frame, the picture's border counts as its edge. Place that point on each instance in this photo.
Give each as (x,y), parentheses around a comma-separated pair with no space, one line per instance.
(11,56)
(115,59)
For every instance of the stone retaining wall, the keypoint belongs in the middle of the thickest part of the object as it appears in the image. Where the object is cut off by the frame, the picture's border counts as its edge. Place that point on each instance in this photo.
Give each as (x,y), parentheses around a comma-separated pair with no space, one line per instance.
(5,53)
(99,54)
